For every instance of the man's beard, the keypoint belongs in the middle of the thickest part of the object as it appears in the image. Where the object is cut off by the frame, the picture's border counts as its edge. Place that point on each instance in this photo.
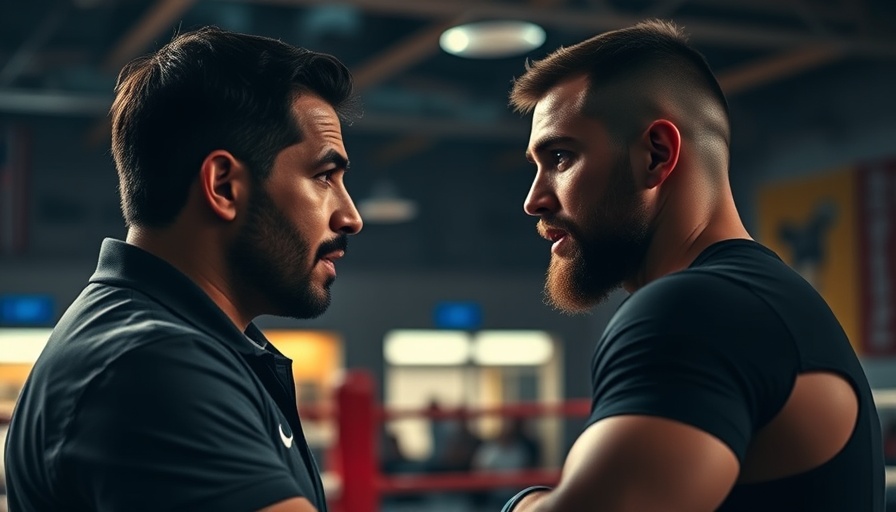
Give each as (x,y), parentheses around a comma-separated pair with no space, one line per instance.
(270,257)
(608,248)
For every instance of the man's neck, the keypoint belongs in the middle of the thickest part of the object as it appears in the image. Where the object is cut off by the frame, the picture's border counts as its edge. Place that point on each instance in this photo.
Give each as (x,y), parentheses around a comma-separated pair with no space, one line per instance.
(681,236)
(190,254)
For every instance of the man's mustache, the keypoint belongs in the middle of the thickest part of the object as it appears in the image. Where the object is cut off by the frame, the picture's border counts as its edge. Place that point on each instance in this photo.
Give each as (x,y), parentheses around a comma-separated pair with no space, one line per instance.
(340,243)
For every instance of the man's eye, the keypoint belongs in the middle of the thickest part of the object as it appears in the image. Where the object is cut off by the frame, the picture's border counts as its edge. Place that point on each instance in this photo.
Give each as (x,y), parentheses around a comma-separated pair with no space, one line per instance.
(561,158)
(326,175)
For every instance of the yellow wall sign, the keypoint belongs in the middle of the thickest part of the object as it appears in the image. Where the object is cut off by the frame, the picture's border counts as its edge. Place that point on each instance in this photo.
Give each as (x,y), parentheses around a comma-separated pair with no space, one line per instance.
(811,223)
(838,230)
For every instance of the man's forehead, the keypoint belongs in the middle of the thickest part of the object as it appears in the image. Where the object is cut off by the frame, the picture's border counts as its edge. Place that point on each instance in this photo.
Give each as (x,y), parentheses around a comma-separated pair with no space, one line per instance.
(317,121)
(562,117)
(561,103)
(568,95)
(312,111)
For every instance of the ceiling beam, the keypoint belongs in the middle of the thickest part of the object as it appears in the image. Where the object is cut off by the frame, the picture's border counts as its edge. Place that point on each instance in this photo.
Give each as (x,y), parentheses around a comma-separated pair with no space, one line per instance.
(777,67)
(406,53)
(391,62)
(161,15)
(402,55)
(95,105)
(401,149)
(700,30)
(429,126)
(24,101)
(26,52)
(733,81)
(784,8)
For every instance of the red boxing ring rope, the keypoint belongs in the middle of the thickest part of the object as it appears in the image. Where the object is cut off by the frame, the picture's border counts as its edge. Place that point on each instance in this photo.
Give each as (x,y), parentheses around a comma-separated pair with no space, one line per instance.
(358,418)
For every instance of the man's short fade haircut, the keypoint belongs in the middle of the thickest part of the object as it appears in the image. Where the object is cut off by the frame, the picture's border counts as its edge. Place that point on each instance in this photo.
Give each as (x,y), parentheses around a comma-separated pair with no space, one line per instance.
(206,90)
(652,46)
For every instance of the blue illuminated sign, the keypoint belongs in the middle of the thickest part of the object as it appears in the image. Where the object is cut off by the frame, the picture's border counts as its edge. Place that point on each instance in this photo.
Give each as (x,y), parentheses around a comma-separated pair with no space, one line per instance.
(458,315)
(33,310)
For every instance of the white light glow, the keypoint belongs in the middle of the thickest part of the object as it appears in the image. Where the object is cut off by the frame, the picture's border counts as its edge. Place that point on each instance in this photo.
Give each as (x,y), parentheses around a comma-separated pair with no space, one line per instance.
(492,39)
(426,348)
(388,210)
(512,348)
(18,346)
(454,40)
(385,205)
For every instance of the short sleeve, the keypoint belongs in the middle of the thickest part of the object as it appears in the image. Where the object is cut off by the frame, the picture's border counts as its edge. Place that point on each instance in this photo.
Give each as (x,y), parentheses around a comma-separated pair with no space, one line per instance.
(174,425)
(689,350)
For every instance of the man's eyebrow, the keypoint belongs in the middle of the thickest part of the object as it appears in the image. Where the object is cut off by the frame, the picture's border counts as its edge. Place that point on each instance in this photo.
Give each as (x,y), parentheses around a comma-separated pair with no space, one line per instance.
(544,143)
(334,157)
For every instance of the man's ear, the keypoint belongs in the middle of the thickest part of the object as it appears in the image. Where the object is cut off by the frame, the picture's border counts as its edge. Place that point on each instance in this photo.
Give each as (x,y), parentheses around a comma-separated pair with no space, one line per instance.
(223,182)
(663,141)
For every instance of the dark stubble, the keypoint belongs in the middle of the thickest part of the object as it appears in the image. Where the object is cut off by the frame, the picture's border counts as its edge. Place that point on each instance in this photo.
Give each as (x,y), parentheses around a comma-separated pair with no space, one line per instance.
(270,256)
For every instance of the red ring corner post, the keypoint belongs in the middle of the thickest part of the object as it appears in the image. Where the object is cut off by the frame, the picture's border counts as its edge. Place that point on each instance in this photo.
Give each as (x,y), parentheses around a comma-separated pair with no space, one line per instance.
(357,426)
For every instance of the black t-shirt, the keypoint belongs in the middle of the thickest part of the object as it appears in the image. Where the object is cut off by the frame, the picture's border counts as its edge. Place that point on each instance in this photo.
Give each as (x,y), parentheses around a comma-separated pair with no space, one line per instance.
(719,346)
(148,398)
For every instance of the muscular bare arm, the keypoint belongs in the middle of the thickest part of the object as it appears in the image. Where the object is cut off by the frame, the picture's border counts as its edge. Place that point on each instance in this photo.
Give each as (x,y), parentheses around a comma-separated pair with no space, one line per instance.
(641,464)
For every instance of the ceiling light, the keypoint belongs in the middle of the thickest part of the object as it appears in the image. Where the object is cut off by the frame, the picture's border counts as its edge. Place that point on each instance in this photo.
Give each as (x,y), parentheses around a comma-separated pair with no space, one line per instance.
(492,39)
(385,206)
(426,348)
(512,348)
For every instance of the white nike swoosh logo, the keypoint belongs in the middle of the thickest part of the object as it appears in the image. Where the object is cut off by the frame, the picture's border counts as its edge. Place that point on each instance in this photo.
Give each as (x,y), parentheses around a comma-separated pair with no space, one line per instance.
(287,441)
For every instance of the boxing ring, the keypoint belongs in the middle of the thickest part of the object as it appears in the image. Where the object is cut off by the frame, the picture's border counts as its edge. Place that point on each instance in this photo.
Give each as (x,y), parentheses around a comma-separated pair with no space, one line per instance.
(354,480)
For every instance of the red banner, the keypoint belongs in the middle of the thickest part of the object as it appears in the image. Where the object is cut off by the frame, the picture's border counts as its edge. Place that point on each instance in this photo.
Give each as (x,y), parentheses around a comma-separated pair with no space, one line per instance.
(14,193)
(876,190)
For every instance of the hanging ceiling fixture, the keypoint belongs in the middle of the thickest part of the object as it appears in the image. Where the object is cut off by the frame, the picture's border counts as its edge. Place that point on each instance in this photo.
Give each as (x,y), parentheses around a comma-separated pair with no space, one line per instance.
(385,206)
(492,39)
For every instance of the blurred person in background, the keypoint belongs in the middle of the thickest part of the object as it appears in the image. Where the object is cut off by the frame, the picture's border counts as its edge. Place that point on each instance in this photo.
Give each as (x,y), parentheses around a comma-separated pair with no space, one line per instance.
(453,445)
(723,381)
(510,451)
(454,452)
(156,391)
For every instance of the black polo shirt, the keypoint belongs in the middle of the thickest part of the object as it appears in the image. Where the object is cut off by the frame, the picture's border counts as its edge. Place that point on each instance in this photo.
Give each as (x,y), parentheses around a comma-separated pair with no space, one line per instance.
(147,397)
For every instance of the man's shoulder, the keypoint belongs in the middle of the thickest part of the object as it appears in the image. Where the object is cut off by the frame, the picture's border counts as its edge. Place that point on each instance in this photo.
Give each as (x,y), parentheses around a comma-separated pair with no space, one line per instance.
(106,323)
(691,304)
(107,311)
(680,294)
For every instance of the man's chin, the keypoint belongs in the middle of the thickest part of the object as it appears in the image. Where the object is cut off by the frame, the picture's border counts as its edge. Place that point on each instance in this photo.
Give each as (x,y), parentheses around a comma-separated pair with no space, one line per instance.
(310,304)
(308,311)
(317,304)
(567,302)
(564,290)
(561,294)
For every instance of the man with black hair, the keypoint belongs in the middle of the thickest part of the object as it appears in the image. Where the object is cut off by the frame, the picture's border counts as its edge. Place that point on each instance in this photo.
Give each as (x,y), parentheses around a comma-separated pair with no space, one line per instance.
(156,391)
